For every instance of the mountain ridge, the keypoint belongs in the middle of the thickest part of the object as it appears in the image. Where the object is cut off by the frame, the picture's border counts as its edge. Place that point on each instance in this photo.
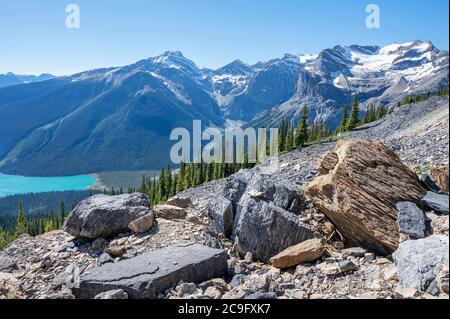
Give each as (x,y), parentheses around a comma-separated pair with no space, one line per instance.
(77,124)
(10,79)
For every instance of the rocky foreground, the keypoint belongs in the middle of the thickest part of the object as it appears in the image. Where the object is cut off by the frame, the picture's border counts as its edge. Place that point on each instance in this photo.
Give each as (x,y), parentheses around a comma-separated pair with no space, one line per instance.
(366,217)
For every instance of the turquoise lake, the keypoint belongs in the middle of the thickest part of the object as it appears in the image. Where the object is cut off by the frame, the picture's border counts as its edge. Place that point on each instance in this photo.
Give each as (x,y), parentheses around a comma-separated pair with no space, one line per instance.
(12,184)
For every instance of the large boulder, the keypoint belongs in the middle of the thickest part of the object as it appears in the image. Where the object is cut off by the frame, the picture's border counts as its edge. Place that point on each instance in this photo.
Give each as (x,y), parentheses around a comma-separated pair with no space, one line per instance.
(147,275)
(264,214)
(142,224)
(417,261)
(265,229)
(169,212)
(306,251)
(437,202)
(105,216)
(182,202)
(360,192)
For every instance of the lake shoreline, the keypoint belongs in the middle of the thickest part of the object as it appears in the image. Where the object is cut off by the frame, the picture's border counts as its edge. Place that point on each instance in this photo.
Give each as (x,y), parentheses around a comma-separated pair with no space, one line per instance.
(21,185)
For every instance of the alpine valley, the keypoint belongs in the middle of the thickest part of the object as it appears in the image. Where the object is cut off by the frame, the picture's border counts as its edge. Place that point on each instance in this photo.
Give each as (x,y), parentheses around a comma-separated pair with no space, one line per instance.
(120,118)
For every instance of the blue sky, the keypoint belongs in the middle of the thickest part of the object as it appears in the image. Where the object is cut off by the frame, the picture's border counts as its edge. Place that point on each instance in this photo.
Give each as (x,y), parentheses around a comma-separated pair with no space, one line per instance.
(34,39)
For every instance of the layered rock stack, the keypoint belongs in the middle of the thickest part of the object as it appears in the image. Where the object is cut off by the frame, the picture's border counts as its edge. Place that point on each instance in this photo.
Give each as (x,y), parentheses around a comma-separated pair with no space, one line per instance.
(359,186)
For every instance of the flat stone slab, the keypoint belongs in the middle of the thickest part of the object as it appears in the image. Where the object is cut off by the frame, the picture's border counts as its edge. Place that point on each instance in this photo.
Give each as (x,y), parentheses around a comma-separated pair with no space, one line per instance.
(147,275)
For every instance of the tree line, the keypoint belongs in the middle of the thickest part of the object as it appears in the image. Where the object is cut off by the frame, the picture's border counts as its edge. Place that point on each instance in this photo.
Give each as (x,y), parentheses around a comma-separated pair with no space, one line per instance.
(33,225)
(443,91)
(169,183)
(290,137)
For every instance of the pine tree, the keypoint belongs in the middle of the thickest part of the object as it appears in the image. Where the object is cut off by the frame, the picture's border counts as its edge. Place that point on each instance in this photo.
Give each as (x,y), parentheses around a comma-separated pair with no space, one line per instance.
(4,239)
(180,178)
(62,214)
(289,138)
(344,120)
(162,184)
(282,136)
(353,120)
(197,175)
(381,112)
(301,134)
(372,114)
(221,170)
(167,183)
(41,226)
(21,222)
(208,173)
(143,185)
(49,226)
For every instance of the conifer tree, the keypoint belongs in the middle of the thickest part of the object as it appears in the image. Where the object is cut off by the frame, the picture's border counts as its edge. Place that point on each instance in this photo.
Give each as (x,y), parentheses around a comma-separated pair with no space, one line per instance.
(197,175)
(167,183)
(289,138)
(282,136)
(49,226)
(381,112)
(143,185)
(21,222)
(353,120)
(344,120)
(180,178)
(372,114)
(162,184)
(301,134)
(4,239)
(62,214)
(208,173)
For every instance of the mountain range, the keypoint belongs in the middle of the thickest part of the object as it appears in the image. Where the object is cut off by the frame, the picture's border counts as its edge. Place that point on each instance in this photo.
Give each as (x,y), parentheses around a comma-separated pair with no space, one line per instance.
(10,79)
(120,118)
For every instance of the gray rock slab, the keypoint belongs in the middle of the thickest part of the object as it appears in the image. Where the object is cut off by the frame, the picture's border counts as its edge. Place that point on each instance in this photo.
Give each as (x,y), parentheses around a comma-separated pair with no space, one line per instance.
(147,275)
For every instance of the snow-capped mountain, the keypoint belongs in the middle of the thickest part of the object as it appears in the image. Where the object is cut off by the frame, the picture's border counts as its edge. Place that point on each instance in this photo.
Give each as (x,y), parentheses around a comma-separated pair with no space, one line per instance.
(120,118)
(376,74)
(364,69)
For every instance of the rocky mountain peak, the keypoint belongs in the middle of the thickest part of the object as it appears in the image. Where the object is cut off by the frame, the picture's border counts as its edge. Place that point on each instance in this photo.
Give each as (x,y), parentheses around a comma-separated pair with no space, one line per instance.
(236,67)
